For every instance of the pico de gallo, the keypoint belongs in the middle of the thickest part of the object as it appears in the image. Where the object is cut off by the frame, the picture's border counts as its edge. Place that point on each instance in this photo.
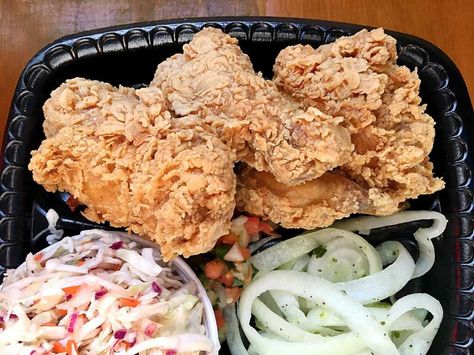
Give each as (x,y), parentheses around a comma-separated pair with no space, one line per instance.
(227,268)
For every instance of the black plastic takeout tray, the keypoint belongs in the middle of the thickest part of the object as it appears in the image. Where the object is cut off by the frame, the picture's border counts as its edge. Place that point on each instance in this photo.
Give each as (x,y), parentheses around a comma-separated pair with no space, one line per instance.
(128,55)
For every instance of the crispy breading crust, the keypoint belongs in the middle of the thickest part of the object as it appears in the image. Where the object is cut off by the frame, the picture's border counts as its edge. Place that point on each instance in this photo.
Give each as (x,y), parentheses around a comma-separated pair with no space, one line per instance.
(357,78)
(315,203)
(342,124)
(215,80)
(116,151)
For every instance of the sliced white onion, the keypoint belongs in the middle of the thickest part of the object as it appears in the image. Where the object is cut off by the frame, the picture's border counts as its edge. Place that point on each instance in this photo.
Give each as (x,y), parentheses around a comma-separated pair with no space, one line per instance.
(356,317)
(289,306)
(383,284)
(234,340)
(423,235)
(420,341)
(289,249)
(299,310)
(343,261)
(322,317)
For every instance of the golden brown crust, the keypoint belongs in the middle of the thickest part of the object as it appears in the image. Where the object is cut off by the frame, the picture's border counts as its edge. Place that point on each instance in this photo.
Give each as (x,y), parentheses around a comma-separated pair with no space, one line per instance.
(345,78)
(347,131)
(215,80)
(317,203)
(116,151)
(356,77)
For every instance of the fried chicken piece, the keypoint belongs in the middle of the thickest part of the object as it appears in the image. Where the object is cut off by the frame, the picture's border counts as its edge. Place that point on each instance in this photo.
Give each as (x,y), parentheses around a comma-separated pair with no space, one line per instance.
(345,78)
(118,152)
(215,80)
(396,162)
(316,203)
(391,133)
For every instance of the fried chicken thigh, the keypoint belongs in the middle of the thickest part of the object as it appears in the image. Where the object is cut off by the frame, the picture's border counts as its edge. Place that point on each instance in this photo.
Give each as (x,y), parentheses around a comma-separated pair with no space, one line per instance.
(215,80)
(119,153)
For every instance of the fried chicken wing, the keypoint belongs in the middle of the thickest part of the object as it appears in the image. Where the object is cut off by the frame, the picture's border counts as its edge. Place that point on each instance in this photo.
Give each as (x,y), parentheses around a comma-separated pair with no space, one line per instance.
(396,163)
(118,152)
(215,80)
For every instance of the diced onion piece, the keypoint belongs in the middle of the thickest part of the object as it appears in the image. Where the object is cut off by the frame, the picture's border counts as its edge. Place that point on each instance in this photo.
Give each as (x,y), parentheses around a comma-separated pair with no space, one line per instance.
(234,254)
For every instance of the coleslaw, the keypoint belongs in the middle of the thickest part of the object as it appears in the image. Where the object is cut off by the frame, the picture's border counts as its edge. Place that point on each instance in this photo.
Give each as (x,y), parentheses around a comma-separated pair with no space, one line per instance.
(100,293)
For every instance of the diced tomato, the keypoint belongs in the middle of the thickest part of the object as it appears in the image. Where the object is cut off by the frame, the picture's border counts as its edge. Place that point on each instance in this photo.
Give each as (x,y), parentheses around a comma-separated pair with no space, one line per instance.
(232,294)
(219,318)
(80,262)
(227,279)
(252,226)
(215,268)
(73,203)
(228,239)
(58,348)
(265,228)
(71,347)
(128,302)
(38,257)
(245,253)
(72,290)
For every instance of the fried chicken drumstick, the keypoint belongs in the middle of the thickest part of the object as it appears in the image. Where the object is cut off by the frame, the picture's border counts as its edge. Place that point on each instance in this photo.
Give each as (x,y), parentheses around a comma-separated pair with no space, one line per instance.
(118,152)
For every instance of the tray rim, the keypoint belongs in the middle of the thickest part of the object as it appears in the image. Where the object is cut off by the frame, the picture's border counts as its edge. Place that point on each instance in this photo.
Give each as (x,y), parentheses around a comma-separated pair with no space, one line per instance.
(455,78)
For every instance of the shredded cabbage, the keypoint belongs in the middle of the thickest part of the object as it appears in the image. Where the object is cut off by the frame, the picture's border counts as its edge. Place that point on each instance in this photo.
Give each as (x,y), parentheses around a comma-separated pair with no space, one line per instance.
(106,293)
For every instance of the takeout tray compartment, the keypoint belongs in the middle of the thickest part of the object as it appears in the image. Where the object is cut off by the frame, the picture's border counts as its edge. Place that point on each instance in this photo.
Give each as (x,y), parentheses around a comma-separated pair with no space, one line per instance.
(128,55)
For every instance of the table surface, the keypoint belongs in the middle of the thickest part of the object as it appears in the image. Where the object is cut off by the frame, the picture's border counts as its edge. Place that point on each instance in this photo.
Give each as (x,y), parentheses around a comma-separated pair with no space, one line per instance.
(28,25)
